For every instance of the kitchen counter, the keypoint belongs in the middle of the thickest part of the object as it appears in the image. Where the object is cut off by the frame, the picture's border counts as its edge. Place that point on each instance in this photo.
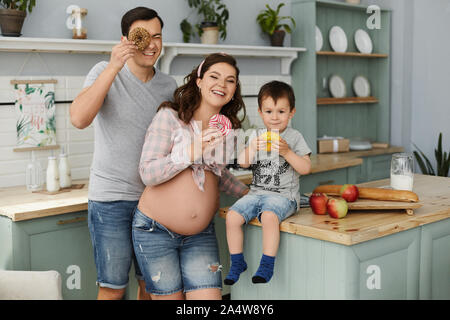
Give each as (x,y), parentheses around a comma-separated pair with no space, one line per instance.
(19,204)
(366,255)
(360,226)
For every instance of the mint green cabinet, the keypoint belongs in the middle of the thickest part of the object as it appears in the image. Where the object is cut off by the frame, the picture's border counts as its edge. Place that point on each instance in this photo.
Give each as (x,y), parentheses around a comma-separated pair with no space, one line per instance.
(435,261)
(412,264)
(60,243)
(310,73)
(374,168)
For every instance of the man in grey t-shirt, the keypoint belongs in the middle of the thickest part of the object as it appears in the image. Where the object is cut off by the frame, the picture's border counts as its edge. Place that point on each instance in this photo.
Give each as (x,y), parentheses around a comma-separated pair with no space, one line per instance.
(121,98)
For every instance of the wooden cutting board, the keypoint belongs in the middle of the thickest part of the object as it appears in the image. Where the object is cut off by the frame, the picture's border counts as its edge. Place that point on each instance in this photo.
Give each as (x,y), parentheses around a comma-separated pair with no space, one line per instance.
(367,204)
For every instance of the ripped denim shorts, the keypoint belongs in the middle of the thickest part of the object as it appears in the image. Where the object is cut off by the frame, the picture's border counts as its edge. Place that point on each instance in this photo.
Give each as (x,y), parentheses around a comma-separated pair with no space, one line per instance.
(171,262)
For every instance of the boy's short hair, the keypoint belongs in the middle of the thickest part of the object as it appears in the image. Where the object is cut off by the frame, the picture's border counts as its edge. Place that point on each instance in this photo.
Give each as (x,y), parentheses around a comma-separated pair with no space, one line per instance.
(138,13)
(277,90)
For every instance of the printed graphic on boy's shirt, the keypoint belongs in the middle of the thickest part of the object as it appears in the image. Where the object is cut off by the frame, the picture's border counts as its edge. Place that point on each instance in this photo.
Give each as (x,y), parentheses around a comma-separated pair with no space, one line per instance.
(268,172)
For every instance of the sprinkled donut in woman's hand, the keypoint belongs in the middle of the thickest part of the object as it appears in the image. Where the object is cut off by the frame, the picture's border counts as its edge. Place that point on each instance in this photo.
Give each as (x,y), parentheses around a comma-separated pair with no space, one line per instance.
(222,123)
(140,37)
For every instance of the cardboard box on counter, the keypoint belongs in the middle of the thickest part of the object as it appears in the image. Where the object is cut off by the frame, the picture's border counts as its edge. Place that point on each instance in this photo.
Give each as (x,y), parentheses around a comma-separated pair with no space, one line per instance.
(332,144)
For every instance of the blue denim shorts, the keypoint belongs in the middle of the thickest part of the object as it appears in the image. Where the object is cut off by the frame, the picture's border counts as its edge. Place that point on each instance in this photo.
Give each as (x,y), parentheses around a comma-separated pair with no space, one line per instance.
(252,206)
(171,262)
(110,227)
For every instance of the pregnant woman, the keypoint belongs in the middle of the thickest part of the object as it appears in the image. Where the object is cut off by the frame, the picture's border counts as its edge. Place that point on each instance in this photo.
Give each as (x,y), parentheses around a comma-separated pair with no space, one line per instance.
(173,231)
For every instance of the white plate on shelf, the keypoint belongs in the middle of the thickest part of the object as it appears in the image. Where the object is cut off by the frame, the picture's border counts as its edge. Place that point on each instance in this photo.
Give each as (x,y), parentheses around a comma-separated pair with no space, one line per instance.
(338,39)
(337,86)
(358,145)
(363,41)
(361,86)
(319,39)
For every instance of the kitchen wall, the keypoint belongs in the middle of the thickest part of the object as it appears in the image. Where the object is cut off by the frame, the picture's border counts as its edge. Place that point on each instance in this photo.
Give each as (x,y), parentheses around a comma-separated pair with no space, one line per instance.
(103,23)
(419,73)
(79,144)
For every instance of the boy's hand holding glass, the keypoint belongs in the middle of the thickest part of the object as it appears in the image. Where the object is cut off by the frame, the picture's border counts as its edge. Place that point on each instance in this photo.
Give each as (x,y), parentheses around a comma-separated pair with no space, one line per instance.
(280,146)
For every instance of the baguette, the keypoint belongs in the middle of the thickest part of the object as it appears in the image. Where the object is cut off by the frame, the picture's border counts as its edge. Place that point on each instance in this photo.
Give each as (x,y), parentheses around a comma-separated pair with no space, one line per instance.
(372,193)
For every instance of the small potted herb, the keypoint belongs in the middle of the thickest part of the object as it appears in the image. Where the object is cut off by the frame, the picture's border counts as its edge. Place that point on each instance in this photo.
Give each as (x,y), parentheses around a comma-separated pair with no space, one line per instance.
(270,22)
(12,16)
(214,21)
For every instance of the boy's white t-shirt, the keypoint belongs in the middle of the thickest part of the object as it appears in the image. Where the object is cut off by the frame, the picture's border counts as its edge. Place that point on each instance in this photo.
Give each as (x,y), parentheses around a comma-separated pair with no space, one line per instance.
(272,174)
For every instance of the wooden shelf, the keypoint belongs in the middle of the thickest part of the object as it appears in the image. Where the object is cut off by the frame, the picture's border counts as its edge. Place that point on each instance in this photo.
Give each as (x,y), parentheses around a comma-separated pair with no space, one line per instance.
(346,100)
(352,54)
(170,49)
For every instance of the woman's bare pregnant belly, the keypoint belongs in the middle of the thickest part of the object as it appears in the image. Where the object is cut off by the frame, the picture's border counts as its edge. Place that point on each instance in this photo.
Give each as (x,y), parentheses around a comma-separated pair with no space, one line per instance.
(180,205)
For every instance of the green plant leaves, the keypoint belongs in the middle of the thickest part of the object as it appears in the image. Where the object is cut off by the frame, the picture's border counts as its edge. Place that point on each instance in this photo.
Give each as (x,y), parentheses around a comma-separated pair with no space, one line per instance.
(442,160)
(211,11)
(270,21)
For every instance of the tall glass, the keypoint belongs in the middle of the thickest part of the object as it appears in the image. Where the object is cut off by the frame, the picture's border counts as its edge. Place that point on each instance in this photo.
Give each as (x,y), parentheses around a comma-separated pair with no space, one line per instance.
(402,171)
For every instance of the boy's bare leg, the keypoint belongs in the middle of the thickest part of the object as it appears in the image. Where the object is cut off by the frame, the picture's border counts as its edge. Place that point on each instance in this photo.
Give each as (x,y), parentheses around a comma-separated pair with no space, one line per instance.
(235,240)
(271,233)
(271,241)
(235,234)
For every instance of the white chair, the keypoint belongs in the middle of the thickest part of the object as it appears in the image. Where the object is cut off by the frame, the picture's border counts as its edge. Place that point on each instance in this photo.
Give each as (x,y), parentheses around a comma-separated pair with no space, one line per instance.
(30,285)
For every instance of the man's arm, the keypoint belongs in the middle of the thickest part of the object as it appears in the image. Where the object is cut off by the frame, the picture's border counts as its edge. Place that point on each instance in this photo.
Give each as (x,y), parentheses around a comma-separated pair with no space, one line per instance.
(86,105)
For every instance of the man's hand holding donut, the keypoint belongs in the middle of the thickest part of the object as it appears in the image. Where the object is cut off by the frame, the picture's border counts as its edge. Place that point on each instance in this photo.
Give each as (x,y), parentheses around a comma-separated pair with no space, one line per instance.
(121,53)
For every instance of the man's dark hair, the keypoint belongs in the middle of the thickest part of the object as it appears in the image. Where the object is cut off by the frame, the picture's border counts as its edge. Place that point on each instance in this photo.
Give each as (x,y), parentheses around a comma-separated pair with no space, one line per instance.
(277,90)
(138,13)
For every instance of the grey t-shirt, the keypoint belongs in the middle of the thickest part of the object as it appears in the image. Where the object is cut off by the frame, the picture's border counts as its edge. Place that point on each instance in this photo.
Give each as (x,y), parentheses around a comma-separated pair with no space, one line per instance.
(119,129)
(272,174)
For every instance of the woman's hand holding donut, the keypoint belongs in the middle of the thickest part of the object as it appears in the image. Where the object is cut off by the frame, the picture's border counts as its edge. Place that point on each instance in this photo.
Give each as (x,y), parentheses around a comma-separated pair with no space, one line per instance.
(121,53)
(204,143)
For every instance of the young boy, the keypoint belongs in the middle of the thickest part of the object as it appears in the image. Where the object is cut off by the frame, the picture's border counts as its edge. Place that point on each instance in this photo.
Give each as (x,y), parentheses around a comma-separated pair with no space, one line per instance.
(274,192)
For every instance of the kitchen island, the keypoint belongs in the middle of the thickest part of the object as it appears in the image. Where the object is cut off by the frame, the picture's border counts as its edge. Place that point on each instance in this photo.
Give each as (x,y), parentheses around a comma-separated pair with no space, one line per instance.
(366,255)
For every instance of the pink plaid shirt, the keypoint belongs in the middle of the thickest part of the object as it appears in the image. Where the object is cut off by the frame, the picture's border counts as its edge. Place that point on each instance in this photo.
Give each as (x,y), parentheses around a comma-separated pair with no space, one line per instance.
(164,155)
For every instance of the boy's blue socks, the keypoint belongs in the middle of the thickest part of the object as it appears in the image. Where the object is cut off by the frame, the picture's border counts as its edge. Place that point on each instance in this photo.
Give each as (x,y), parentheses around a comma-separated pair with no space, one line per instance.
(265,270)
(238,265)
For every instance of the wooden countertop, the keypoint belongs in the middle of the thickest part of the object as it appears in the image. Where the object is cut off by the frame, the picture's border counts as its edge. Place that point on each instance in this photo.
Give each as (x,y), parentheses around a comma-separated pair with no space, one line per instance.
(19,204)
(361,226)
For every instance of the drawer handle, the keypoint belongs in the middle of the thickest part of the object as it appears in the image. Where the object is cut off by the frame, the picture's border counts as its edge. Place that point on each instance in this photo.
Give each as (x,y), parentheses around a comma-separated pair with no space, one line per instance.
(321,183)
(74,220)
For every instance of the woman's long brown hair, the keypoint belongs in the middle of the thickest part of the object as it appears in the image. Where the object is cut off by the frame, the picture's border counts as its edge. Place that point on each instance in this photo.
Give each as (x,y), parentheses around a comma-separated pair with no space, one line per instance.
(187,98)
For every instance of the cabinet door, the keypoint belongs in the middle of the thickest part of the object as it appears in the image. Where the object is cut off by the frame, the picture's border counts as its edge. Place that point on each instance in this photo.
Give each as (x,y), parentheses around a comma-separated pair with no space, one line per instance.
(379,167)
(375,168)
(60,243)
(435,261)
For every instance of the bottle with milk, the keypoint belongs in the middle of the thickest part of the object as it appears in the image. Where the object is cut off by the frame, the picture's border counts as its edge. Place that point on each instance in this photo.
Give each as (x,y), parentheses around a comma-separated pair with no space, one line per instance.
(65,176)
(52,175)
(402,171)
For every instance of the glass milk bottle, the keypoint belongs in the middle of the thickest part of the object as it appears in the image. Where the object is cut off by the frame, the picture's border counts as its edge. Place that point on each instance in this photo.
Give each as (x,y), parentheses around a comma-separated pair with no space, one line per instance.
(34,176)
(402,171)
(52,175)
(65,177)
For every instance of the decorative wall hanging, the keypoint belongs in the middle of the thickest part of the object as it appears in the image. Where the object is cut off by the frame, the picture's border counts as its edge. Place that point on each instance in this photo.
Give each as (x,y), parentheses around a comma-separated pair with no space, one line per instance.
(35,111)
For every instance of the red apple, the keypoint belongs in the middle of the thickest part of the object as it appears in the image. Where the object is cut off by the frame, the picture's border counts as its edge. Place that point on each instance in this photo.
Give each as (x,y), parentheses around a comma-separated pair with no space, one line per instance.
(318,203)
(337,208)
(349,192)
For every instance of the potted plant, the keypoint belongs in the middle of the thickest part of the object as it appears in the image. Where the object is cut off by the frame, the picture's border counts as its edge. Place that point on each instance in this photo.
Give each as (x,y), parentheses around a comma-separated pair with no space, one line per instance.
(13,14)
(270,22)
(442,160)
(214,21)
